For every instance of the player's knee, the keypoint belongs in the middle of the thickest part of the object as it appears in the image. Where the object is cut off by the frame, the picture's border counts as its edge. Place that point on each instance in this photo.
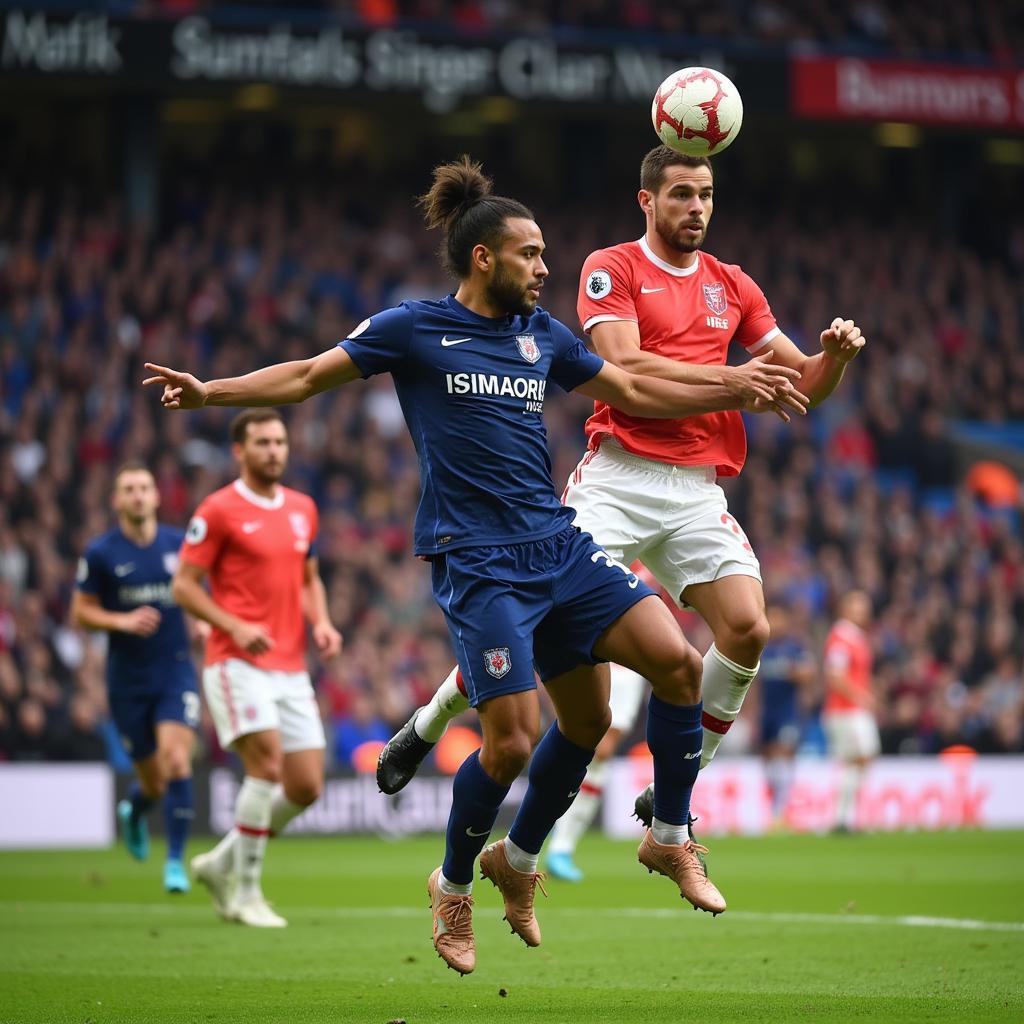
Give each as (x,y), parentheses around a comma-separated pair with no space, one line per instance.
(266,765)
(678,679)
(505,757)
(588,729)
(304,792)
(747,637)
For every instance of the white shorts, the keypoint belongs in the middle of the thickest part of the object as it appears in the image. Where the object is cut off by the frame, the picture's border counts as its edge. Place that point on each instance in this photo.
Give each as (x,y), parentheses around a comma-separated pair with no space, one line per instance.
(851,735)
(243,699)
(627,694)
(674,519)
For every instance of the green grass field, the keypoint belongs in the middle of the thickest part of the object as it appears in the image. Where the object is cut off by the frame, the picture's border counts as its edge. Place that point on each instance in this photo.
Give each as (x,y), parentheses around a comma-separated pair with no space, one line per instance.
(919,927)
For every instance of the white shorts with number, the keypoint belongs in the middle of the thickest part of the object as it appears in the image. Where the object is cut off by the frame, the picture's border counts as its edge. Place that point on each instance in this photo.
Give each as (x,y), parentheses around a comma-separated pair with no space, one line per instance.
(674,519)
(243,699)
(851,735)
(627,694)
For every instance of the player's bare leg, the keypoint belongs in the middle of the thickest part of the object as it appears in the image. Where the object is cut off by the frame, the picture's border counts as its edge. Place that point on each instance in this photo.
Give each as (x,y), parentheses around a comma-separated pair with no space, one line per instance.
(733,606)
(647,640)
(147,789)
(174,743)
(404,752)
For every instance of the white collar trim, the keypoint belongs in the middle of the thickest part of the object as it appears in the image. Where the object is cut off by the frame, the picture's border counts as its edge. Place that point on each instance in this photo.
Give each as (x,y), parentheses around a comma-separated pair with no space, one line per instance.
(667,267)
(257,499)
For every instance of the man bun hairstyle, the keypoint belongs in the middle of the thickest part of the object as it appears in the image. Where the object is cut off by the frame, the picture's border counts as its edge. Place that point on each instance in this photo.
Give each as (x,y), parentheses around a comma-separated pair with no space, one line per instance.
(461,203)
(657,160)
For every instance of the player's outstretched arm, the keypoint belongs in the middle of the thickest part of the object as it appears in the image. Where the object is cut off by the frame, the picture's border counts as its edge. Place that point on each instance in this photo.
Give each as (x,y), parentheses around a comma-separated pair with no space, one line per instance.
(820,374)
(662,399)
(281,384)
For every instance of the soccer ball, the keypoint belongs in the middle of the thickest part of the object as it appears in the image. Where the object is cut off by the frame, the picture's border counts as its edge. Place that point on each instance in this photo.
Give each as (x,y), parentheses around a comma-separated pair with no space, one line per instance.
(697,111)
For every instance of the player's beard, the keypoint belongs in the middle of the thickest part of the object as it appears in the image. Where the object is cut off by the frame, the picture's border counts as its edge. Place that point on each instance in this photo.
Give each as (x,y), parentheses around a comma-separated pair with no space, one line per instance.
(671,235)
(267,475)
(505,293)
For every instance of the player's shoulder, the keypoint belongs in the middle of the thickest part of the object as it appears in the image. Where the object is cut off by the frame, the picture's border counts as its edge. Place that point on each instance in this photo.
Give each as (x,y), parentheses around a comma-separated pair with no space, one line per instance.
(103,544)
(170,536)
(622,256)
(712,266)
(297,500)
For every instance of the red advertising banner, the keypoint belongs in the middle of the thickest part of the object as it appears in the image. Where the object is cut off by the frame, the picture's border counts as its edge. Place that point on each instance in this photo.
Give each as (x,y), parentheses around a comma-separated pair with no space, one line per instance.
(876,90)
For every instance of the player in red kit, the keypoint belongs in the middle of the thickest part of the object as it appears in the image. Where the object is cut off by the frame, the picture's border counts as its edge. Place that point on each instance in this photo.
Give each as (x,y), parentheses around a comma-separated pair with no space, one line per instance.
(254,540)
(647,490)
(848,715)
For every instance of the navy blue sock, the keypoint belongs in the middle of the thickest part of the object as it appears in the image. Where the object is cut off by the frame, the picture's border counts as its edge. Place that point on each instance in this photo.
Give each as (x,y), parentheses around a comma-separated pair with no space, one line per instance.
(476,799)
(674,735)
(178,814)
(556,771)
(139,801)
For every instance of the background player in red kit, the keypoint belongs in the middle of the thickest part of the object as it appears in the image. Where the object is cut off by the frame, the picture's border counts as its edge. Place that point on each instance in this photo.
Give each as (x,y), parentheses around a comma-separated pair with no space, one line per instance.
(647,489)
(254,539)
(848,715)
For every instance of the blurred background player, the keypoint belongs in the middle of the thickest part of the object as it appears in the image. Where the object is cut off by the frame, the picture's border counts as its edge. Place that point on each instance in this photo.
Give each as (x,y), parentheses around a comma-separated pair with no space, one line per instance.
(787,672)
(255,540)
(848,716)
(124,588)
(646,488)
(519,584)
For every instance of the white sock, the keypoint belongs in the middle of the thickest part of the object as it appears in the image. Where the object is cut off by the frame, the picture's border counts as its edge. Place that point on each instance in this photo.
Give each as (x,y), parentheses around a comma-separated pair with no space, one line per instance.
(453,888)
(849,785)
(252,818)
(520,859)
(447,702)
(282,811)
(669,835)
(224,852)
(570,826)
(724,684)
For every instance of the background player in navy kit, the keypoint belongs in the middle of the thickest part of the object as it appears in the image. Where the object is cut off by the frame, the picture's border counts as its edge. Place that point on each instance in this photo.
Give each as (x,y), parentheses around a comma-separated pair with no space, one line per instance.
(518,583)
(787,671)
(124,587)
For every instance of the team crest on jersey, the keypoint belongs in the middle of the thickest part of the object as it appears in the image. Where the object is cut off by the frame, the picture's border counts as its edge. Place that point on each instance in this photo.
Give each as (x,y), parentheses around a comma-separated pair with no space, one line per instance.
(528,347)
(714,298)
(599,284)
(170,562)
(300,524)
(497,661)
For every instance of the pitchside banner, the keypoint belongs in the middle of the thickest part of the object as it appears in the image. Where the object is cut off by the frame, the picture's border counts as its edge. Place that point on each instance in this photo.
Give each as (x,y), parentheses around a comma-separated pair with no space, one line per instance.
(899,793)
(875,90)
(320,54)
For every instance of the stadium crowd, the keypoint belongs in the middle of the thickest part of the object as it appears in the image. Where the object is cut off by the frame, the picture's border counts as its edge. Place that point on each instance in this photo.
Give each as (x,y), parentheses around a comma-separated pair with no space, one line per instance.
(868,491)
(982,31)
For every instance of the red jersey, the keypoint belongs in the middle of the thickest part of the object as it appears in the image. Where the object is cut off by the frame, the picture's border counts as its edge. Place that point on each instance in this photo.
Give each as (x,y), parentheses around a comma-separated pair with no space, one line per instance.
(689,315)
(847,650)
(255,551)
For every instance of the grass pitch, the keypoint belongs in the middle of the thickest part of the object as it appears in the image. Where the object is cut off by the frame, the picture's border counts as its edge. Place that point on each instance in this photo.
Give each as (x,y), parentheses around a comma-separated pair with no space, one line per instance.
(924,927)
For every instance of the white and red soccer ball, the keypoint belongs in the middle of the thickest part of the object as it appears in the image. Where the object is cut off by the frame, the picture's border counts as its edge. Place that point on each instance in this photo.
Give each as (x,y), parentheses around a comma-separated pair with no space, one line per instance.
(697,111)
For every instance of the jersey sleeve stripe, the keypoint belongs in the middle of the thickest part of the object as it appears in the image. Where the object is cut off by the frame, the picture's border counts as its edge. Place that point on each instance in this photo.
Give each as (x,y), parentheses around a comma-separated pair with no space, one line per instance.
(606,318)
(761,342)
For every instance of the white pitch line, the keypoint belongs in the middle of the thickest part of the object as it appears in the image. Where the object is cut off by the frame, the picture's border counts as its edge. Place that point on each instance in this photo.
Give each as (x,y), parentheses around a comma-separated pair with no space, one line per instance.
(878,920)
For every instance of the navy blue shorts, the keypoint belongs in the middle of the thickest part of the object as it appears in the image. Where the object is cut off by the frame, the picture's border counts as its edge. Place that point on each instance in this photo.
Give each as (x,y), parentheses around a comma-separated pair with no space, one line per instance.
(542,603)
(136,715)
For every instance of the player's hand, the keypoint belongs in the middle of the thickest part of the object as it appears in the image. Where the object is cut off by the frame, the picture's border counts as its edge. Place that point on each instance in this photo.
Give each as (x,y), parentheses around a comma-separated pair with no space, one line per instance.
(252,638)
(758,378)
(328,640)
(786,398)
(142,621)
(201,630)
(181,390)
(843,340)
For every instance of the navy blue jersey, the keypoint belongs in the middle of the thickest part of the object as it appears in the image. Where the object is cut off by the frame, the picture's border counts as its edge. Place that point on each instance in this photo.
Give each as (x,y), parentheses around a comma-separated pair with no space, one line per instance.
(780,660)
(124,576)
(472,391)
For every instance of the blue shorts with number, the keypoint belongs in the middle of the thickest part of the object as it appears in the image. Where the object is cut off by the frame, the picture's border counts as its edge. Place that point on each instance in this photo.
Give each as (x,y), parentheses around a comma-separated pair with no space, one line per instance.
(136,714)
(542,603)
